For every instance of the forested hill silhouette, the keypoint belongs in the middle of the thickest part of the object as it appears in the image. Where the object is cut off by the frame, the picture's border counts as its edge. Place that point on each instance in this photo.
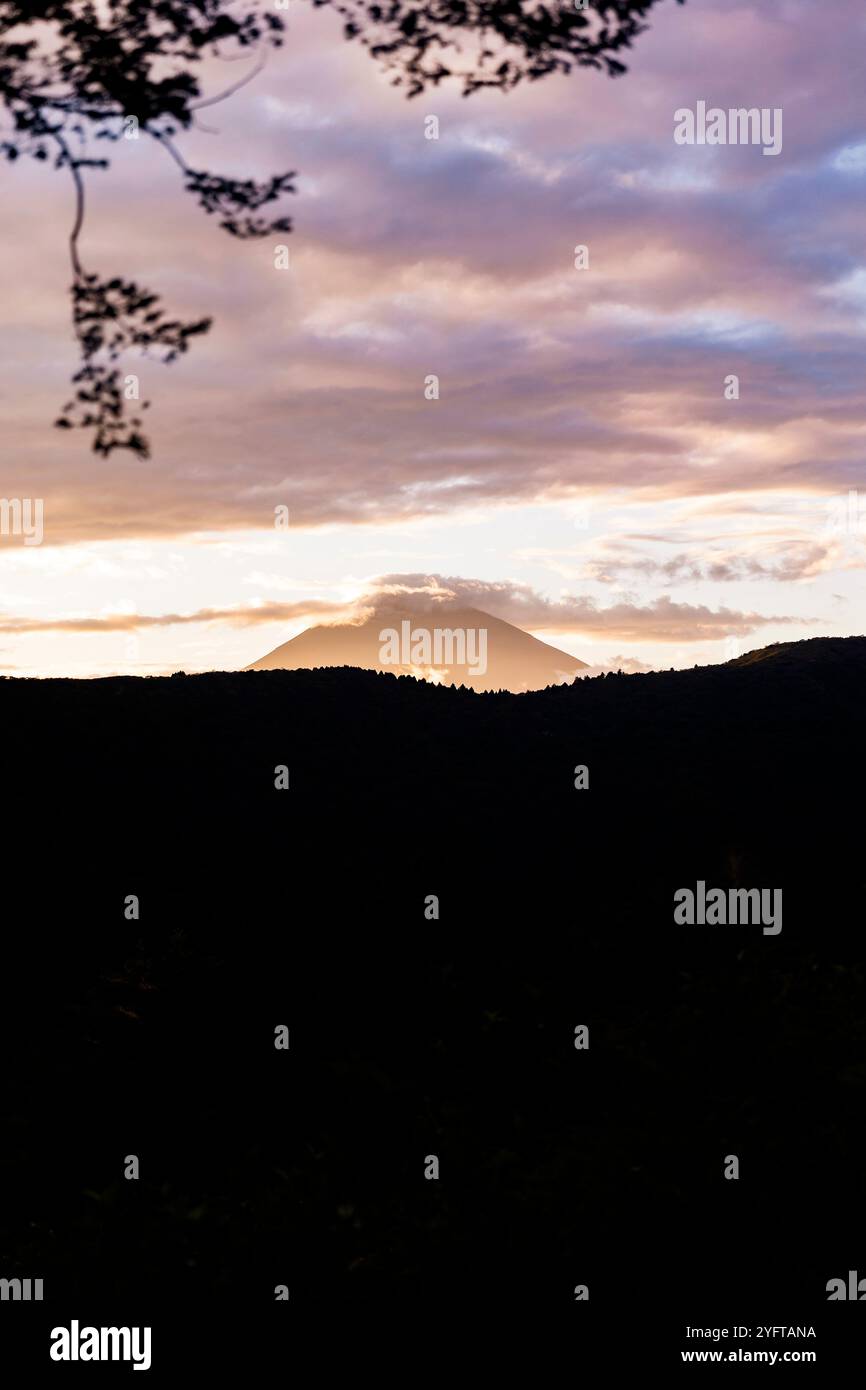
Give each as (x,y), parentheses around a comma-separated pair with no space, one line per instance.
(751,746)
(451,1034)
(826,650)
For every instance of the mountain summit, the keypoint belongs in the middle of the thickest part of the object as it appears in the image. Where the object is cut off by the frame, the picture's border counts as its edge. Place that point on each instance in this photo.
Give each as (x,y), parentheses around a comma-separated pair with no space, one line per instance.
(447,645)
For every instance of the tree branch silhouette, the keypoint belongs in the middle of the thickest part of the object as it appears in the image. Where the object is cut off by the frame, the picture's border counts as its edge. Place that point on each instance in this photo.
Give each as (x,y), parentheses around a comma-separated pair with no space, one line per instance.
(512,40)
(73,70)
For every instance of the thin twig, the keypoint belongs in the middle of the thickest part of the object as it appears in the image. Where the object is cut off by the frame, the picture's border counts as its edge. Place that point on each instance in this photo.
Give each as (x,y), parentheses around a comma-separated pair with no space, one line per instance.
(164,141)
(79,201)
(230,91)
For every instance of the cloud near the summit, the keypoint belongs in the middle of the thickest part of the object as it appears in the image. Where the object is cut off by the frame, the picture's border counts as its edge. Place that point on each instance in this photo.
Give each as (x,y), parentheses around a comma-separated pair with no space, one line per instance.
(660,621)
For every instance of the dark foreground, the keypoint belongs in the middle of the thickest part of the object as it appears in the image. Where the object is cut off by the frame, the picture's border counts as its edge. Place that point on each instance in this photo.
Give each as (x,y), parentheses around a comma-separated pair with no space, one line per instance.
(454,1037)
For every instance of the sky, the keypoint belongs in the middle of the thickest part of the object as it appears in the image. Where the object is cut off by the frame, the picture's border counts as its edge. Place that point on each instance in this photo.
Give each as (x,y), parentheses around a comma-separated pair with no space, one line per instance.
(582,473)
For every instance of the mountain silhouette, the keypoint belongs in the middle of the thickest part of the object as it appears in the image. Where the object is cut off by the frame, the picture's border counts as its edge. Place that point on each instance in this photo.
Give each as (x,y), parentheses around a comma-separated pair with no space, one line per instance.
(511,659)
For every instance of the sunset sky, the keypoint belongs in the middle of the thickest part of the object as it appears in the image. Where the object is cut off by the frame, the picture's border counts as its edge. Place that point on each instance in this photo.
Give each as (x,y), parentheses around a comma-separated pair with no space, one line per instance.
(582,473)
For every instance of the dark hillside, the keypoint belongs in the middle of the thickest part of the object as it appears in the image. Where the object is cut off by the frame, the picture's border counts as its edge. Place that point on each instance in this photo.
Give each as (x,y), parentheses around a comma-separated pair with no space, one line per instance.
(453,1036)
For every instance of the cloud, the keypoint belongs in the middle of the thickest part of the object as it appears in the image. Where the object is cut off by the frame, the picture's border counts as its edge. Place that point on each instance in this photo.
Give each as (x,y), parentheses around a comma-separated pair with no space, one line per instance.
(784,561)
(249,616)
(408,259)
(518,603)
(661,621)
(629,664)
